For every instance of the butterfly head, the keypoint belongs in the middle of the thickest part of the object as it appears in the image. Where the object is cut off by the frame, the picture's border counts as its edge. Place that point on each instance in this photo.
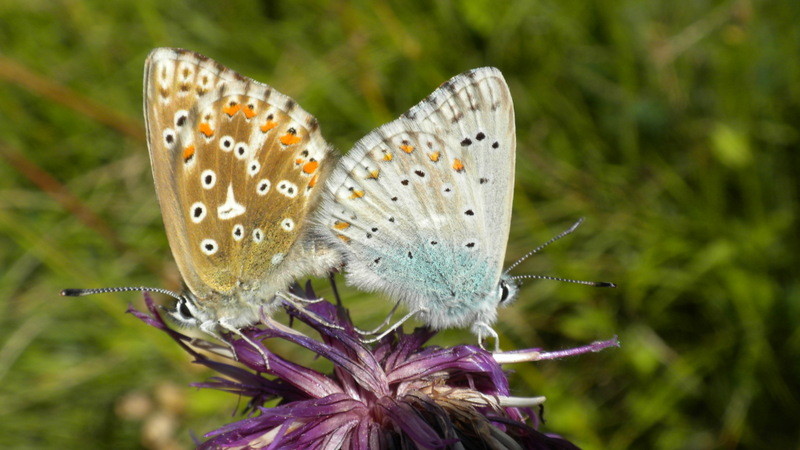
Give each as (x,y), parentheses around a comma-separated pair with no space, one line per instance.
(507,290)
(187,313)
(503,294)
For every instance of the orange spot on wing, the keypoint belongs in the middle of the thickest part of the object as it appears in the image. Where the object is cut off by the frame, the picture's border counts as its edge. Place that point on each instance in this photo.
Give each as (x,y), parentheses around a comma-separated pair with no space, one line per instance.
(434,156)
(356,194)
(407,148)
(299,161)
(248,112)
(344,238)
(313,181)
(289,139)
(310,167)
(205,129)
(339,225)
(374,174)
(268,126)
(388,157)
(458,166)
(231,110)
(188,152)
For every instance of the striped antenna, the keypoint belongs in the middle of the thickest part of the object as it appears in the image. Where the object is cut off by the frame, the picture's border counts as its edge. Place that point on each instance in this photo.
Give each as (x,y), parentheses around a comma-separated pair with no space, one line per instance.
(82,292)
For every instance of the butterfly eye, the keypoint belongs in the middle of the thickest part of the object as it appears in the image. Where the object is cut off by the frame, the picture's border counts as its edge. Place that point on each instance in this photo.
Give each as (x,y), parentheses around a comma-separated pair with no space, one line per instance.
(182,313)
(504,291)
(183,310)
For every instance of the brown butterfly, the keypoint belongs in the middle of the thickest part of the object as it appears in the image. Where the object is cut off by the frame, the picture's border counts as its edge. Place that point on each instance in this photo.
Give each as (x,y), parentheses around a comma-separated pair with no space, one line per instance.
(238,168)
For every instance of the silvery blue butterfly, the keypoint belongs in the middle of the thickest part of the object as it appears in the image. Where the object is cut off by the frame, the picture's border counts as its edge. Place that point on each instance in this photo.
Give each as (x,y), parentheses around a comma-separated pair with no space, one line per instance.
(238,167)
(421,207)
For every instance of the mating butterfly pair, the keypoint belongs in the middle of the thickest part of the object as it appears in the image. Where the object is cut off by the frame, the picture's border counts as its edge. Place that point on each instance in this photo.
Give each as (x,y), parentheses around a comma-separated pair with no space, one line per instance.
(253,197)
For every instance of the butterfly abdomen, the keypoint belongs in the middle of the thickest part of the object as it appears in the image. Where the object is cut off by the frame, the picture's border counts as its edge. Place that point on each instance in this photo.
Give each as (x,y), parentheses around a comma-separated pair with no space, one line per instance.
(445,279)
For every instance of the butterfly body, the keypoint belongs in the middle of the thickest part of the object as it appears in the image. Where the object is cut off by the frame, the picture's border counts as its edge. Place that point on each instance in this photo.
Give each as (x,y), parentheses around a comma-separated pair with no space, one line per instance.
(238,167)
(421,206)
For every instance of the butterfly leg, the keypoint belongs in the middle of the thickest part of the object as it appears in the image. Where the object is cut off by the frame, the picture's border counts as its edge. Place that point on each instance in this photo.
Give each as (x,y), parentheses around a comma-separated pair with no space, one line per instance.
(332,279)
(489,333)
(396,325)
(298,302)
(385,322)
(226,326)
(210,328)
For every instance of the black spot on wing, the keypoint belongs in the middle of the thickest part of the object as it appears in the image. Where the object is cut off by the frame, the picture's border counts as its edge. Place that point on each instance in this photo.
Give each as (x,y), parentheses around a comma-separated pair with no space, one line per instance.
(312,124)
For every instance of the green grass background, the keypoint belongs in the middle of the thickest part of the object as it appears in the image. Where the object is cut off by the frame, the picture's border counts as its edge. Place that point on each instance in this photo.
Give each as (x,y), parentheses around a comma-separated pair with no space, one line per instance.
(672,127)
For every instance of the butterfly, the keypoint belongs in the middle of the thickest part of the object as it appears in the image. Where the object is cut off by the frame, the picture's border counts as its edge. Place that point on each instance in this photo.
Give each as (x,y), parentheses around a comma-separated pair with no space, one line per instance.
(421,207)
(238,168)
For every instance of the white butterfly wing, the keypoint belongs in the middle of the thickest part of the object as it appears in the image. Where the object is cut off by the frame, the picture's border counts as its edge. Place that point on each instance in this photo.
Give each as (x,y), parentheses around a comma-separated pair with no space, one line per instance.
(476,110)
(421,206)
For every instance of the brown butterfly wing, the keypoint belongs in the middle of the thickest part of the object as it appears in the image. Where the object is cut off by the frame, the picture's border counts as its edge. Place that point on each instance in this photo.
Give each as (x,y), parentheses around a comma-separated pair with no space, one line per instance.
(237,167)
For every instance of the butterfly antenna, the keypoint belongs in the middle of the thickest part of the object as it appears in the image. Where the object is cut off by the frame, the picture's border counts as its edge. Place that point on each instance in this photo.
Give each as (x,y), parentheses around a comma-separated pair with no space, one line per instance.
(539,248)
(567,280)
(82,292)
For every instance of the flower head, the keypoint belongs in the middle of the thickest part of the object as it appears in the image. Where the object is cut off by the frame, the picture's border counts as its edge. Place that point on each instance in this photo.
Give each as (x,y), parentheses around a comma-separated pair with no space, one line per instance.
(397,393)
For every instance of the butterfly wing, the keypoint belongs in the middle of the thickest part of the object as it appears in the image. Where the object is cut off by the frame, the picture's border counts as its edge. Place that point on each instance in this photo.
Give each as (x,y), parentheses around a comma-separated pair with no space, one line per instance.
(237,167)
(421,206)
(476,109)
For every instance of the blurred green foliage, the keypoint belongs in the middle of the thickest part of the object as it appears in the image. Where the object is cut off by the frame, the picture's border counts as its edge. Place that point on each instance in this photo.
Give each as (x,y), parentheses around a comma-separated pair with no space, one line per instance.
(672,127)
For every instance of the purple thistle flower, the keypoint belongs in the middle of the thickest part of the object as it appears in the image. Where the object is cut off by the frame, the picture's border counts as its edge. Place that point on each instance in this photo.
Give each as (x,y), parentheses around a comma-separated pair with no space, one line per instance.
(396,393)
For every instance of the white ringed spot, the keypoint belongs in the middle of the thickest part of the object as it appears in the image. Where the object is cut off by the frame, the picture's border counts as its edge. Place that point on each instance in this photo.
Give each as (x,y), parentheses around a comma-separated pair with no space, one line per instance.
(180,118)
(263,186)
(208,179)
(197,212)
(238,232)
(169,137)
(253,168)
(226,143)
(287,188)
(205,77)
(240,151)
(164,73)
(185,71)
(287,224)
(209,246)
(258,235)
